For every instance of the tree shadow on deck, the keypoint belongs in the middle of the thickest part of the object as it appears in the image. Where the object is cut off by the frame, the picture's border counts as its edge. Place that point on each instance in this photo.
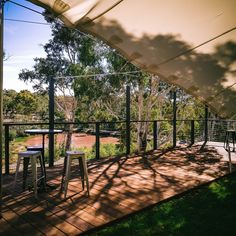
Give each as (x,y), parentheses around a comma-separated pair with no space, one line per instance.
(119,186)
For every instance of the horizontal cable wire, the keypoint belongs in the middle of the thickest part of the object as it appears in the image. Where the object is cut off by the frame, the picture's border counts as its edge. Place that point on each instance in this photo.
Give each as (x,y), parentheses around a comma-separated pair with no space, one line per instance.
(28,8)
(26,21)
(96,75)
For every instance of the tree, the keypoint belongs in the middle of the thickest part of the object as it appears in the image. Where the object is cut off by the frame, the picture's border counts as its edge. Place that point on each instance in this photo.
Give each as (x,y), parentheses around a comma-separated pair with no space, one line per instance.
(25,103)
(82,97)
(69,53)
(9,105)
(41,106)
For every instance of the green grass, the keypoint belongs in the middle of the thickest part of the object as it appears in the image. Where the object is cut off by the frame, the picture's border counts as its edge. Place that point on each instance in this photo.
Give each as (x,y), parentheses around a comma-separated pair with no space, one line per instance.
(210,210)
(21,139)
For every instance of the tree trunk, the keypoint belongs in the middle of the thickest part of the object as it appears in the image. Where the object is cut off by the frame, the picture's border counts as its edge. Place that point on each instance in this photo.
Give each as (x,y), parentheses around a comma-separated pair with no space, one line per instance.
(142,138)
(144,110)
(69,137)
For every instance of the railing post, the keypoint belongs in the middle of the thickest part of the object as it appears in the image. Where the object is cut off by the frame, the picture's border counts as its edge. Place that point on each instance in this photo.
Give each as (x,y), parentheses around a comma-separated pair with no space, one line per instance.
(174,118)
(7,149)
(192,132)
(127,120)
(51,122)
(154,134)
(97,140)
(206,124)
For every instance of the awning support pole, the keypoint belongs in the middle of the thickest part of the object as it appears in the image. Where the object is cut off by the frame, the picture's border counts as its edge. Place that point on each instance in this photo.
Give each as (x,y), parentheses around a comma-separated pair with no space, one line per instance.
(1,98)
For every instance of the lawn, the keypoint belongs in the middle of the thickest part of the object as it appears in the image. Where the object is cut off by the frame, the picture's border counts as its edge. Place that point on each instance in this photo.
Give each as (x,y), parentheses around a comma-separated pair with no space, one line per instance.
(209,210)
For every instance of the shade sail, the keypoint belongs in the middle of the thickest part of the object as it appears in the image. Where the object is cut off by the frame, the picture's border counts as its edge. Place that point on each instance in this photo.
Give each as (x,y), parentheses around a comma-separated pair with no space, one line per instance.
(158,36)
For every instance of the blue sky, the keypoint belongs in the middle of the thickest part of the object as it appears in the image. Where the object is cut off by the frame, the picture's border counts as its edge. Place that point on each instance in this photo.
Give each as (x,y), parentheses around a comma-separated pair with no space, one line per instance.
(22,42)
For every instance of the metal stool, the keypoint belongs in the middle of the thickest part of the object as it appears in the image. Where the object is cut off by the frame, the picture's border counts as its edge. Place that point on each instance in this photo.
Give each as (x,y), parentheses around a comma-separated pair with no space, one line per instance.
(26,162)
(230,141)
(72,155)
(32,158)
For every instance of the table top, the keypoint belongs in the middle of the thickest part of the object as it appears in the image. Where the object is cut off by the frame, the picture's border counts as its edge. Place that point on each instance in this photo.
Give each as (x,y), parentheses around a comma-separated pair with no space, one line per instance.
(43,131)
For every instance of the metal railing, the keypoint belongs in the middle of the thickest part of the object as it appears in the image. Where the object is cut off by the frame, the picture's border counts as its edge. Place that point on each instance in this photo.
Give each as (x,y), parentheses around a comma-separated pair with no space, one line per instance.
(159,132)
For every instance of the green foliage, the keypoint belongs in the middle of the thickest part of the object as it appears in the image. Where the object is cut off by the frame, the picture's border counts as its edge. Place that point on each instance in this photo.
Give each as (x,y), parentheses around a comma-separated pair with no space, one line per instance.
(90,152)
(41,106)
(12,135)
(20,139)
(9,104)
(166,126)
(25,102)
(109,149)
(17,134)
(106,150)
(221,191)
(60,150)
(25,105)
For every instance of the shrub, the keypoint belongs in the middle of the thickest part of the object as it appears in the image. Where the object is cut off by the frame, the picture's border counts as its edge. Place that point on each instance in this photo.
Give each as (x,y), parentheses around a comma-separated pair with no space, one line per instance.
(12,135)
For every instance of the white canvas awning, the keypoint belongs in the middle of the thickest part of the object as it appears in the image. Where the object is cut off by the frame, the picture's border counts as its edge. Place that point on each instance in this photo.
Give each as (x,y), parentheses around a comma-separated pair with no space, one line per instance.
(158,36)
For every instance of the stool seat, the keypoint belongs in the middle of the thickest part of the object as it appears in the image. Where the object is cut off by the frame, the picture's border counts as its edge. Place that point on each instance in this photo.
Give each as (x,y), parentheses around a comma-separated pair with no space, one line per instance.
(230,130)
(31,156)
(72,155)
(75,153)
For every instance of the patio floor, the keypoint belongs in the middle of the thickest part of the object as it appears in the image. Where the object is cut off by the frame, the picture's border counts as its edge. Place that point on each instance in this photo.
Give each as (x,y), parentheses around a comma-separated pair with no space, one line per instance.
(119,186)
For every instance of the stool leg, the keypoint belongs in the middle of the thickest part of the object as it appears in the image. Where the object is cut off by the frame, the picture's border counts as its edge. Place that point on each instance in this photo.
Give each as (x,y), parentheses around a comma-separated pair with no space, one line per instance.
(63,174)
(233,141)
(17,170)
(41,166)
(25,171)
(230,162)
(86,174)
(43,172)
(67,177)
(34,172)
(81,167)
(225,141)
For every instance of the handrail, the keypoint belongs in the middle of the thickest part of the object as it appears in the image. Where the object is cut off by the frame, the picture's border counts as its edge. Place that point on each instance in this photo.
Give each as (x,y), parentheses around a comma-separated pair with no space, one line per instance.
(97,127)
(108,122)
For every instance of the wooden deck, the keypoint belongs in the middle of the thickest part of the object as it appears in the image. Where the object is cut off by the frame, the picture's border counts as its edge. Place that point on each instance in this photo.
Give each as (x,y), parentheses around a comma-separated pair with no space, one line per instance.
(119,186)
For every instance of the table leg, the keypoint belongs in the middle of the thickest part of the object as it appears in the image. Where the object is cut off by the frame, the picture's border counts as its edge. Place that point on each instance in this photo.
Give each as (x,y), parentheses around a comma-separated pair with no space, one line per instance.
(43,155)
(44,166)
(230,162)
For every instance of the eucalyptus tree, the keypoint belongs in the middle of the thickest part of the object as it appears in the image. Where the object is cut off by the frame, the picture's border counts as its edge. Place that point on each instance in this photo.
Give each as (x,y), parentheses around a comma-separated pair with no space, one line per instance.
(149,95)
(69,53)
